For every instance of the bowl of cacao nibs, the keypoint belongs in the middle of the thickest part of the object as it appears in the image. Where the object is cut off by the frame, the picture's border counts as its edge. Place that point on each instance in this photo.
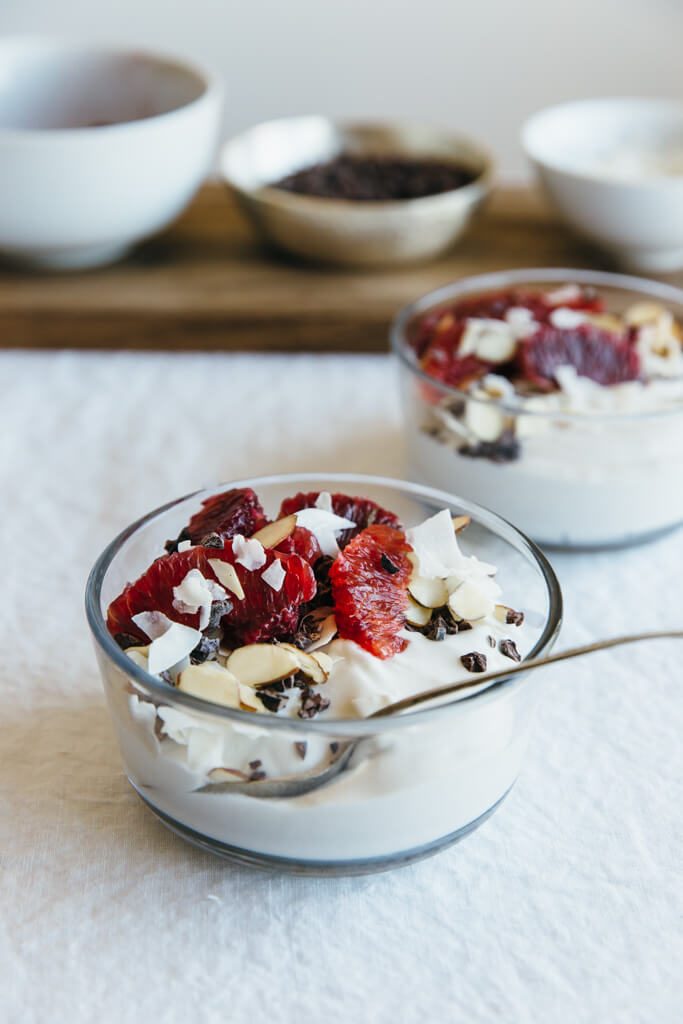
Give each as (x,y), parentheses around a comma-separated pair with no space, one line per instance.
(358,194)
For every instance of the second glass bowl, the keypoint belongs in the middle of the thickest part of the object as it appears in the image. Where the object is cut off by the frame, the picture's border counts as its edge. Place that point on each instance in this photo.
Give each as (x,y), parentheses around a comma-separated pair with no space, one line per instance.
(575,481)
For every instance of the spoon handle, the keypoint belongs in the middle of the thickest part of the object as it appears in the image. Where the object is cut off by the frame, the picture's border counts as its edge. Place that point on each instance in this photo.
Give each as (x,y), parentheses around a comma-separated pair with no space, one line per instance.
(522,667)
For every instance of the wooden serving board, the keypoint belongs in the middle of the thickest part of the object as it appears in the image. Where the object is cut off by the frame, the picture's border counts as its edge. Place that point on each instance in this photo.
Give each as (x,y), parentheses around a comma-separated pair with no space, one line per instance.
(207,283)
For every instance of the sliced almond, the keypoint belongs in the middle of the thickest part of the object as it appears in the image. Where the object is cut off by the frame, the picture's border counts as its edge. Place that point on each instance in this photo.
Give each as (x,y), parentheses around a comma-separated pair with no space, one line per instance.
(325,661)
(454,581)
(606,322)
(508,615)
(644,313)
(460,522)
(416,614)
(453,615)
(429,592)
(226,574)
(313,668)
(274,533)
(211,681)
(328,631)
(261,664)
(470,602)
(414,560)
(308,664)
(249,700)
(138,655)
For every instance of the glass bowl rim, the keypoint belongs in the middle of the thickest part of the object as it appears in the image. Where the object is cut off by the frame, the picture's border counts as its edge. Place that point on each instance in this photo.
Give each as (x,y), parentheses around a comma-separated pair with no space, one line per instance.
(500,279)
(496,524)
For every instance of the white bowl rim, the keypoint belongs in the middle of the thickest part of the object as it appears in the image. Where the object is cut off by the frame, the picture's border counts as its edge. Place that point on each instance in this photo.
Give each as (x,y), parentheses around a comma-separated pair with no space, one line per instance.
(274,196)
(532,123)
(212,86)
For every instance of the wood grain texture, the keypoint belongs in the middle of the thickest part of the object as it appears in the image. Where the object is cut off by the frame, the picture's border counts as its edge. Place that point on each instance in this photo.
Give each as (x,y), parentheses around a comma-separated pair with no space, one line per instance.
(207,283)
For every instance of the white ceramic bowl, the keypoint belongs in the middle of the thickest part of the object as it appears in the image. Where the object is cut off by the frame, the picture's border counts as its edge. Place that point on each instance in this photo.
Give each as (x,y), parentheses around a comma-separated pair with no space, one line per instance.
(99,148)
(343,231)
(588,155)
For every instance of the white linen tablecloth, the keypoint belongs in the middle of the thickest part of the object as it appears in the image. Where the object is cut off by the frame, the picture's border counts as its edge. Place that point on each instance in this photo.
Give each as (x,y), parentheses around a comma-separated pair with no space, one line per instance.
(564,907)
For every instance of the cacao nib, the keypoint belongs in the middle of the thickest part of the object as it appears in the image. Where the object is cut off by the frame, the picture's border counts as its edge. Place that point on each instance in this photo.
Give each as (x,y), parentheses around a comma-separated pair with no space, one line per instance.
(509,649)
(474,661)
(505,449)
(376,178)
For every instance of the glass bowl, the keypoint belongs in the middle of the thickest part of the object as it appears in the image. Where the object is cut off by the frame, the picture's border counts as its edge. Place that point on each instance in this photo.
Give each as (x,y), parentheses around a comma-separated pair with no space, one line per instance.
(581,480)
(416,782)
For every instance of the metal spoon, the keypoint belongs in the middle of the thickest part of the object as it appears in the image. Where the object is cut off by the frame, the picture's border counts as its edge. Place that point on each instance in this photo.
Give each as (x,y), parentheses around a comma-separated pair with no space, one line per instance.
(297,785)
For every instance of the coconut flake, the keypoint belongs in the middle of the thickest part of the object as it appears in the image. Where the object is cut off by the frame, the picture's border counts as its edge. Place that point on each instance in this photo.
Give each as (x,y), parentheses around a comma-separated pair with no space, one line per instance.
(582,391)
(496,386)
(435,545)
(491,340)
(324,526)
(196,594)
(566,319)
(561,296)
(274,575)
(172,647)
(324,501)
(438,553)
(152,624)
(485,420)
(185,545)
(249,553)
(521,321)
(474,576)
(471,602)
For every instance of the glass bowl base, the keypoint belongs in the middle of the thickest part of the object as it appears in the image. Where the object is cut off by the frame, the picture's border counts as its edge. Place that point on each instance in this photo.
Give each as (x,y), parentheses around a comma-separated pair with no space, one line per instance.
(266,862)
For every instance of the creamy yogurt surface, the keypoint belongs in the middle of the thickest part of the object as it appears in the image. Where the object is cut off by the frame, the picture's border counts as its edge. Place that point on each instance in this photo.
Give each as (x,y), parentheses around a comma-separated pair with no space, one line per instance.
(359,685)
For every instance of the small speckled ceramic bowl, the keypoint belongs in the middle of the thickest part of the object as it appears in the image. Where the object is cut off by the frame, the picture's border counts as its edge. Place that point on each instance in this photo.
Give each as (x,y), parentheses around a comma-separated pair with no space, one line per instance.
(345,231)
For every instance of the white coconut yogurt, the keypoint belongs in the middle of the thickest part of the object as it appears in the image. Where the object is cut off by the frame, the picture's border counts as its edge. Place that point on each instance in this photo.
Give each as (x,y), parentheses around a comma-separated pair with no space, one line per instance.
(595,465)
(404,789)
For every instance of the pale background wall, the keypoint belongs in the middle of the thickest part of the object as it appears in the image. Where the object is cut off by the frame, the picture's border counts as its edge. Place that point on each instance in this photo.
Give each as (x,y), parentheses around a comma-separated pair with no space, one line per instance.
(480,65)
